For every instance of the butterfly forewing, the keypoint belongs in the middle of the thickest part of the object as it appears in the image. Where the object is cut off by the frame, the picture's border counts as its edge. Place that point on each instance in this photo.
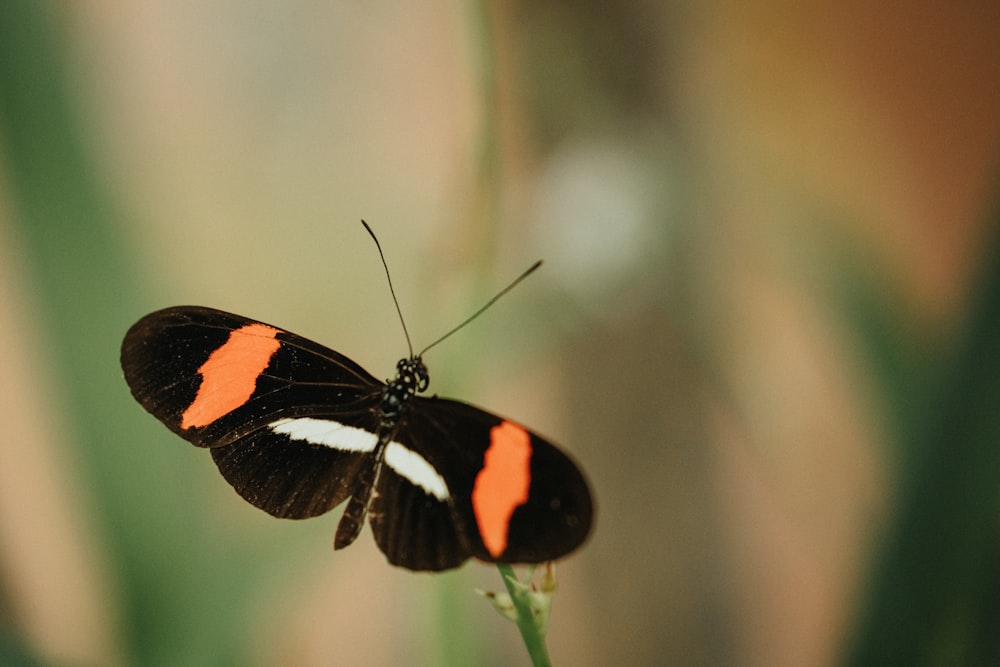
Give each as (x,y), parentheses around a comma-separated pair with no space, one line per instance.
(522,506)
(213,377)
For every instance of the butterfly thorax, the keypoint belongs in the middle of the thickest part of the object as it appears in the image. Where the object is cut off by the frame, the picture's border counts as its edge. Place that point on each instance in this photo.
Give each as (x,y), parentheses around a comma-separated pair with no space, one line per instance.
(411,378)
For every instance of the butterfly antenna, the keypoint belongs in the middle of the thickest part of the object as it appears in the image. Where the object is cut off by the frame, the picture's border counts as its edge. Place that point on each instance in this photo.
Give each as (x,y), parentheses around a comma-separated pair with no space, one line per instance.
(489,303)
(391,290)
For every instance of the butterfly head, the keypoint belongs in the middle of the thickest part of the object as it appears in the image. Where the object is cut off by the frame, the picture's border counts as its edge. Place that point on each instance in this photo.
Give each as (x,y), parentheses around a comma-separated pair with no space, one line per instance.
(411,378)
(412,373)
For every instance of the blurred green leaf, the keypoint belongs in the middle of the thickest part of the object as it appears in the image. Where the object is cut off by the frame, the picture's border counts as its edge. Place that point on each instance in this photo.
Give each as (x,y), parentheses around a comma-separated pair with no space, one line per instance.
(84,286)
(934,595)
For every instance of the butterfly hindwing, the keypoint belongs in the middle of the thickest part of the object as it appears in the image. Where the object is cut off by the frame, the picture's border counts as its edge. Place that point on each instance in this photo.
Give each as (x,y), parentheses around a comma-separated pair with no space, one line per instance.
(288,478)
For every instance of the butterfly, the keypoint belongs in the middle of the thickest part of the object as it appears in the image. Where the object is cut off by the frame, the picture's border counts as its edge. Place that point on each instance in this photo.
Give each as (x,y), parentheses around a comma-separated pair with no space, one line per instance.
(298,429)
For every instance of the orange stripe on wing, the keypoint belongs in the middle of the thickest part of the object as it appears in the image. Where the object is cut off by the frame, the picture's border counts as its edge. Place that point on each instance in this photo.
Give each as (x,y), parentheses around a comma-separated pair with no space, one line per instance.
(502,485)
(229,375)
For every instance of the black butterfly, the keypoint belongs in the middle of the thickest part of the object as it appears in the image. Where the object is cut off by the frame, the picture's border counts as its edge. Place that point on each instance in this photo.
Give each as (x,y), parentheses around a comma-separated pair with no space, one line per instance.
(297,429)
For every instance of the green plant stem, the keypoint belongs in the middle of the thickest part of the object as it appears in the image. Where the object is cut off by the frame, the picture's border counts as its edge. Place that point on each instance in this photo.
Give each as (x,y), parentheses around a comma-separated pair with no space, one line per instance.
(534,638)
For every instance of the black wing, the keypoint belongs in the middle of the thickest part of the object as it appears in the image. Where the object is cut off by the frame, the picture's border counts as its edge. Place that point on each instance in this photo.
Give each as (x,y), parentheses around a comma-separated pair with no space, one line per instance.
(166,358)
(534,507)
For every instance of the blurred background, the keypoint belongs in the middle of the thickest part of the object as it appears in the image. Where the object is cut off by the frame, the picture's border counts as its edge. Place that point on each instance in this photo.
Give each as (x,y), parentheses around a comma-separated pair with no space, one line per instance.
(768,324)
